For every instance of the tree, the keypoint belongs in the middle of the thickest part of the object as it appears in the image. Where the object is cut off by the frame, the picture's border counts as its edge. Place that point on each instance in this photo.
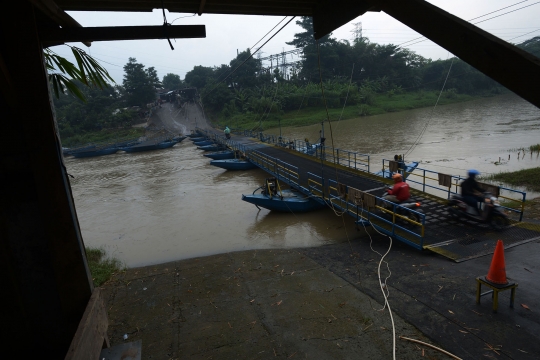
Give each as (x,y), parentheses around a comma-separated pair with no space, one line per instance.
(139,83)
(199,76)
(153,78)
(172,82)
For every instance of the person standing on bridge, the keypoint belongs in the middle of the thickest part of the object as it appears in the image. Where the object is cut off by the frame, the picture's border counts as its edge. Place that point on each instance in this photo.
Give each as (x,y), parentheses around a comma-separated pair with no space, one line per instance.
(227,132)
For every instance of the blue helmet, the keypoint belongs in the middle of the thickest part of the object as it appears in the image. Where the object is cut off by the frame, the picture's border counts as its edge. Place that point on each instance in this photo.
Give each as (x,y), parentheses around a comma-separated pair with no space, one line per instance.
(473,172)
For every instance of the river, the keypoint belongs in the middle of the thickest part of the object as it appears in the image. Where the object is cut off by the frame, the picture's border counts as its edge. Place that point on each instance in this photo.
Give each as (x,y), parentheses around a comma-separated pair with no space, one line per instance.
(147,208)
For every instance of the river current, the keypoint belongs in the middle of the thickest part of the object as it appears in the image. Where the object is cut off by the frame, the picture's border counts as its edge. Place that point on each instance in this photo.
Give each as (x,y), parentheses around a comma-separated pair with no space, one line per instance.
(153,207)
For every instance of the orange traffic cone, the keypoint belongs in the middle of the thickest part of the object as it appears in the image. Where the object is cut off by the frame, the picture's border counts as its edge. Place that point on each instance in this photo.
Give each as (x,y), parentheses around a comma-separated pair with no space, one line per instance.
(497,270)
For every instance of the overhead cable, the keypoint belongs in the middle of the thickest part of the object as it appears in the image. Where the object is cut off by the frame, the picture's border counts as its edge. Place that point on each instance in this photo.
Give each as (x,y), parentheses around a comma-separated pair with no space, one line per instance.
(249,57)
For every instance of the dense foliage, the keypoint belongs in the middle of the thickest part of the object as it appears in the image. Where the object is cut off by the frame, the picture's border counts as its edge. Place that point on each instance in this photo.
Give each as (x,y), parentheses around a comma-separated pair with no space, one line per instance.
(370,78)
(358,72)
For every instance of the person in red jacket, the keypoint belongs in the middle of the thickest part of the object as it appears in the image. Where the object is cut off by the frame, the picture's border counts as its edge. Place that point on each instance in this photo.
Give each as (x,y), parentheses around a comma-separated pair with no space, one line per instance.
(400,191)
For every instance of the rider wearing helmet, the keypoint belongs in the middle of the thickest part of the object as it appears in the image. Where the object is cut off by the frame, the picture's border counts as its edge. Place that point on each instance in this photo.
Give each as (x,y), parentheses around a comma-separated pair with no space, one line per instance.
(400,190)
(470,187)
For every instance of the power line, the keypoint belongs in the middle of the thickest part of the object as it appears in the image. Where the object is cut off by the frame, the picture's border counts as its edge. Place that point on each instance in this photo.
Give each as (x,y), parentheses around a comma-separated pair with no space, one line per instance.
(530,32)
(509,6)
(249,57)
(217,81)
(478,18)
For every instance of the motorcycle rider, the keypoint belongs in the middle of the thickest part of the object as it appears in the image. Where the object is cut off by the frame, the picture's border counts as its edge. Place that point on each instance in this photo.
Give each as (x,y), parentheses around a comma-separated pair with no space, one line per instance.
(469,189)
(400,191)
(227,132)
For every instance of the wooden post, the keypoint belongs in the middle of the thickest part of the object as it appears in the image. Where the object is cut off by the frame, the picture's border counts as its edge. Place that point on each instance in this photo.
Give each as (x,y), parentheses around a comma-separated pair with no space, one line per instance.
(43,260)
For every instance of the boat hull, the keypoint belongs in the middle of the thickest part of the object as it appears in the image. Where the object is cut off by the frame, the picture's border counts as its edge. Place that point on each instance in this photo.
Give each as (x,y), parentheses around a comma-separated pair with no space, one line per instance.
(179,139)
(212,147)
(93,153)
(291,202)
(220,155)
(140,148)
(233,164)
(203,143)
(196,139)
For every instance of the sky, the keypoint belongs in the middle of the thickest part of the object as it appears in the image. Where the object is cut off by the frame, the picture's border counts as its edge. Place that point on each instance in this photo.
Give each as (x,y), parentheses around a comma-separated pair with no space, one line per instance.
(227,34)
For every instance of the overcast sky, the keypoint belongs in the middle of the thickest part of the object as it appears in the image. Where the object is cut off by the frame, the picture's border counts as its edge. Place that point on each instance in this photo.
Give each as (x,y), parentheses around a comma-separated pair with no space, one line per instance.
(226,33)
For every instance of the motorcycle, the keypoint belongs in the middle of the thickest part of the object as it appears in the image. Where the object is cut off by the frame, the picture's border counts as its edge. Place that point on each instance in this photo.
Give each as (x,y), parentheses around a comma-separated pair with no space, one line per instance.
(491,212)
(404,207)
(228,136)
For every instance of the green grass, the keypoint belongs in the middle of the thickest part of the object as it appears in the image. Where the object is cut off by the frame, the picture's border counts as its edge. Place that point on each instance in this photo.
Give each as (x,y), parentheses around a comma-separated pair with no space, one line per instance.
(535,148)
(313,115)
(101,266)
(108,135)
(527,178)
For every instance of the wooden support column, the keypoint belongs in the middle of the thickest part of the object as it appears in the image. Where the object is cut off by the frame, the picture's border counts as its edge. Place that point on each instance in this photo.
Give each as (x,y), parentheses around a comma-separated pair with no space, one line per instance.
(46,284)
(512,67)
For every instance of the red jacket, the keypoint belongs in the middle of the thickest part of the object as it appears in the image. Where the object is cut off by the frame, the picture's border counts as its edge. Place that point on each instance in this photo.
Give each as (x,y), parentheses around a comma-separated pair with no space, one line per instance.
(401,191)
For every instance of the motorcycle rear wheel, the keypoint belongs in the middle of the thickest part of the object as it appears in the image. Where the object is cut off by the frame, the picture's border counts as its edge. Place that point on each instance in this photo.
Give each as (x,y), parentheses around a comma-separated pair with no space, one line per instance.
(498,222)
(454,211)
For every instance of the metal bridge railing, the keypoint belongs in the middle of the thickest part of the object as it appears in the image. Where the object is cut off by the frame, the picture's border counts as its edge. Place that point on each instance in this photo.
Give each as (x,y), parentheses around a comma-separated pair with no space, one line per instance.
(428,182)
(280,169)
(402,223)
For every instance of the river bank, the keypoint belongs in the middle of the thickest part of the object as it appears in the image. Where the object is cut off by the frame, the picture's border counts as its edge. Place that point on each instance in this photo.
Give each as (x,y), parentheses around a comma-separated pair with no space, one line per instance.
(323,303)
(378,104)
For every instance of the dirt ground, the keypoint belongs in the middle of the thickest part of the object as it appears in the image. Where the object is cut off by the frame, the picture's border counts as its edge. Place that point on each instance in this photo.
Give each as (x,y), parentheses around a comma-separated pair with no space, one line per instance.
(253,305)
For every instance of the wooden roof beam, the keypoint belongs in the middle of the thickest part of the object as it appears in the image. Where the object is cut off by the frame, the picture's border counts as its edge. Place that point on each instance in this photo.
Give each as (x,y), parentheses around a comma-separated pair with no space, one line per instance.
(122,33)
(328,15)
(59,16)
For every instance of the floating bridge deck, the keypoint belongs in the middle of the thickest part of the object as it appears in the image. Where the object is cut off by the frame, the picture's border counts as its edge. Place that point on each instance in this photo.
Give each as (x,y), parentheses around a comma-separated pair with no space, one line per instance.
(328,175)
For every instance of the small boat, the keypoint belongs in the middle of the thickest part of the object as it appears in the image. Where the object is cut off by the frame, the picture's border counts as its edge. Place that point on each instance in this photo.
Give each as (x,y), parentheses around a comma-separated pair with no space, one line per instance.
(166,144)
(92,153)
(203,143)
(274,199)
(233,164)
(221,155)
(212,147)
(179,138)
(149,147)
(196,139)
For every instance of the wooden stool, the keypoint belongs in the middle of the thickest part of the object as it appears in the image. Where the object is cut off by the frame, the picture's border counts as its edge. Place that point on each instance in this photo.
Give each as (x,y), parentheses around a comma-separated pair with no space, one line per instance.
(495,288)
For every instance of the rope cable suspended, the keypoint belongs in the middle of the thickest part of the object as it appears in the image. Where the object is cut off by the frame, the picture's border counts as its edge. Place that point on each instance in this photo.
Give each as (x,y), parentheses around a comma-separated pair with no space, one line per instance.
(432,111)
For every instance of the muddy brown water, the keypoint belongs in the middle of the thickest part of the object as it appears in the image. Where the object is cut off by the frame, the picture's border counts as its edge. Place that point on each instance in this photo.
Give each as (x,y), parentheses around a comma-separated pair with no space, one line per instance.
(159,206)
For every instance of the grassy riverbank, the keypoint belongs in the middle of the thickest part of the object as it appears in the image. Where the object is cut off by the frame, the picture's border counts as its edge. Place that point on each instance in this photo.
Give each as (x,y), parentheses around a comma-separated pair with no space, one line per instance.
(527,178)
(101,266)
(105,135)
(380,104)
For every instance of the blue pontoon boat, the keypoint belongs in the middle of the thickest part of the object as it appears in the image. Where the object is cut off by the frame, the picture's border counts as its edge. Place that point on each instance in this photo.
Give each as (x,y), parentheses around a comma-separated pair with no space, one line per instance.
(221,155)
(233,164)
(211,147)
(273,198)
(92,153)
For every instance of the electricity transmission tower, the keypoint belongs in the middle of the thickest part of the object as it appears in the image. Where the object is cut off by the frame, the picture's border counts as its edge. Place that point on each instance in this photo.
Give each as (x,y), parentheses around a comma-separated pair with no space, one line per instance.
(357,31)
